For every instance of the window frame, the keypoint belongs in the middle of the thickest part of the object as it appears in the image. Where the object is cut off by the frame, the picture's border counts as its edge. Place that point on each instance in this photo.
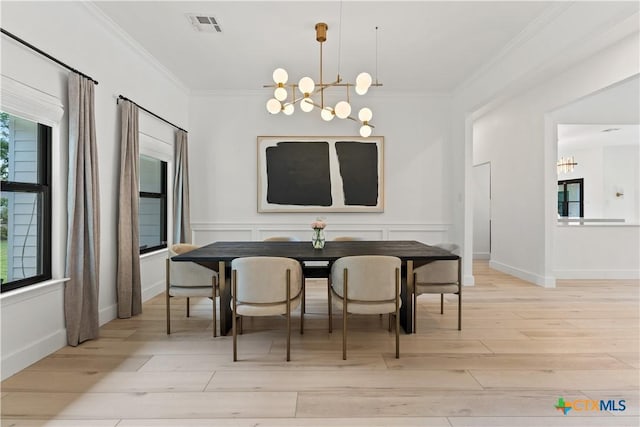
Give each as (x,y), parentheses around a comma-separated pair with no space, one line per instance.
(43,189)
(163,210)
(565,202)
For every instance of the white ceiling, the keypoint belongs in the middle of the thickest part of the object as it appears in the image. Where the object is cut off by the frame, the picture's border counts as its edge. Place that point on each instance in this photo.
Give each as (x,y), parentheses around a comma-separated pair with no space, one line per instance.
(422,46)
(581,137)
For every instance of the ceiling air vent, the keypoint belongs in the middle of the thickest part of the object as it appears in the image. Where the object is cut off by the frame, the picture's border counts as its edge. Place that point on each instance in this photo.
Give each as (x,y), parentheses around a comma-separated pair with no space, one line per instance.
(204,23)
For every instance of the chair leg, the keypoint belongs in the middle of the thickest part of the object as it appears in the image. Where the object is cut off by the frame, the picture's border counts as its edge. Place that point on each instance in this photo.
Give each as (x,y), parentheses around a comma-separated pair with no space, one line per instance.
(288,315)
(441,303)
(415,311)
(344,317)
(303,310)
(214,285)
(397,313)
(329,304)
(459,294)
(168,297)
(460,309)
(234,325)
(390,319)
(187,306)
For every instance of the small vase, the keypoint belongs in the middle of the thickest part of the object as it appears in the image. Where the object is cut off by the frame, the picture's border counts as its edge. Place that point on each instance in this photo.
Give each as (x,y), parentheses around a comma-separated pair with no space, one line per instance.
(318,238)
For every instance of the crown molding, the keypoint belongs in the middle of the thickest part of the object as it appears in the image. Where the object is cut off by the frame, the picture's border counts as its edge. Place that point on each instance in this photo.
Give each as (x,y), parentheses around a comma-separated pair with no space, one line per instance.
(544,19)
(115,29)
(264,93)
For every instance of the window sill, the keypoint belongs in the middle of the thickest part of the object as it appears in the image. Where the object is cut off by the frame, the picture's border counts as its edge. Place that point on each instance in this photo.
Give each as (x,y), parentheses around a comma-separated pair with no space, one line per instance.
(28,292)
(162,251)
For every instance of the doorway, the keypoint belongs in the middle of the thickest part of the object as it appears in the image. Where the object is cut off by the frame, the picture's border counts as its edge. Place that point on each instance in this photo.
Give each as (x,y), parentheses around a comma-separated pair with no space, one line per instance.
(482,211)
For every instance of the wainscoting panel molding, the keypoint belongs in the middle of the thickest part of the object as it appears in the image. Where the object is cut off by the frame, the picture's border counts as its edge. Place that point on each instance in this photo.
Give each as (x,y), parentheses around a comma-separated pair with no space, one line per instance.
(208,232)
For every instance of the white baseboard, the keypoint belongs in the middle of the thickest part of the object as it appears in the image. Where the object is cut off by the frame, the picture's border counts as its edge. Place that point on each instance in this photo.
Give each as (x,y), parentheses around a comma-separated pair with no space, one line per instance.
(33,352)
(153,290)
(107,314)
(544,281)
(482,255)
(468,280)
(598,274)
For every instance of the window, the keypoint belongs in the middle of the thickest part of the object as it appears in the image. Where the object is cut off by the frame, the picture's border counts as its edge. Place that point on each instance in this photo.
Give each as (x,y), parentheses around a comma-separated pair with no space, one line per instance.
(25,202)
(153,204)
(571,198)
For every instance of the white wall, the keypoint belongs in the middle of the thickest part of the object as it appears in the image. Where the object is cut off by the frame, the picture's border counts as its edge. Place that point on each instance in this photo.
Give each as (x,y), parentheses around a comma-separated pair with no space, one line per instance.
(603,251)
(76,33)
(608,170)
(515,138)
(566,32)
(223,155)
(482,211)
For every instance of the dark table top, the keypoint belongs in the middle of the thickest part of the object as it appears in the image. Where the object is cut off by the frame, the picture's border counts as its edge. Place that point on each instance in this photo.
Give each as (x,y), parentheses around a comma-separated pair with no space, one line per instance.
(304,251)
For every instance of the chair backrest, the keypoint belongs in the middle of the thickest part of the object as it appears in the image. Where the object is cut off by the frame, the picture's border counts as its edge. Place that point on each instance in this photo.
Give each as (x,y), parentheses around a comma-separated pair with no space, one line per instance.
(440,272)
(281,239)
(346,239)
(370,277)
(451,247)
(182,248)
(187,274)
(263,280)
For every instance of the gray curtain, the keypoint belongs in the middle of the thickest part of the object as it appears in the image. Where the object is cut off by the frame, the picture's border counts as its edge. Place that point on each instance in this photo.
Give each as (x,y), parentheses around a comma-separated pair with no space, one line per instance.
(181,215)
(83,211)
(128,279)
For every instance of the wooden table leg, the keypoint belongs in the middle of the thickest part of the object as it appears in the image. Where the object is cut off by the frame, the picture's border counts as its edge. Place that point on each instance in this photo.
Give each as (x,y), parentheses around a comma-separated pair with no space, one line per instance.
(406,310)
(225,299)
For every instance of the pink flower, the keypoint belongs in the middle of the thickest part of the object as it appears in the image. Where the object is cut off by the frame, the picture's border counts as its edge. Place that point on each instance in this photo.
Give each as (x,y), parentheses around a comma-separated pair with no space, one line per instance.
(318,224)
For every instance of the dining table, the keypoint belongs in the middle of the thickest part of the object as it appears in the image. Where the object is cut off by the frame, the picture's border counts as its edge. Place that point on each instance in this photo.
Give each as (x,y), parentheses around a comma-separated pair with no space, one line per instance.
(316,263)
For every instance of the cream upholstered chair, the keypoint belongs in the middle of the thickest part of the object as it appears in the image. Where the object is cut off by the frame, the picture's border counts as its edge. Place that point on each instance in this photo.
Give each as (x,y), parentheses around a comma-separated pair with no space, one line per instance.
(439,277)
(368,284)
(188,279)
(346,239)
(281,239)
(265,286)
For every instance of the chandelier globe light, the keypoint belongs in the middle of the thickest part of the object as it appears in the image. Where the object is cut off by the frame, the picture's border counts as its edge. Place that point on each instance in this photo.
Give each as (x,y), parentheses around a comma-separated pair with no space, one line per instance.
(310,94)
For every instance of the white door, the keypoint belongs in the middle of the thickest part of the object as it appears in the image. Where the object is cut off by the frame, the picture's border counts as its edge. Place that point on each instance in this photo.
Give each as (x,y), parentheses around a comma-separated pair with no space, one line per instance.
(482,211)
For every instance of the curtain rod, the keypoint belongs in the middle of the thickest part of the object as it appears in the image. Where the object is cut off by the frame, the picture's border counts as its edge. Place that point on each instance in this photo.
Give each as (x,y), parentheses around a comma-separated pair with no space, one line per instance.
(45,54)
(150,112)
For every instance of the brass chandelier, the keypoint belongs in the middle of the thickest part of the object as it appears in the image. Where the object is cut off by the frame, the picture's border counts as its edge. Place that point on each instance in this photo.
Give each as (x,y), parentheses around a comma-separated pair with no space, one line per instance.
(308,92)
(566,164)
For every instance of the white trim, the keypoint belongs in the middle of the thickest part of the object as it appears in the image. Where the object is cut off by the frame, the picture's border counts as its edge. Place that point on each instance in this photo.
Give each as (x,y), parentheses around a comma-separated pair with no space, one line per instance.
(107,314)
(334,225)
(143,54)
(598,274)
(33,352)
(32,291)
(257,231)
(533,29)
(153,254)
(153,290)
(468,280)
(545,282)
(263,93)
(29,103)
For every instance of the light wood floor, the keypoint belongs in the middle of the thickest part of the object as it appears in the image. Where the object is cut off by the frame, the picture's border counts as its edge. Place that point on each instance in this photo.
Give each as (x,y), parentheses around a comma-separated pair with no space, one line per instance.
(521,348)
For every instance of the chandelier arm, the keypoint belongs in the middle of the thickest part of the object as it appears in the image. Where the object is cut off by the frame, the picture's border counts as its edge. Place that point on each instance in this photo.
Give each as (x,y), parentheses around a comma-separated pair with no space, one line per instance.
(358,121)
